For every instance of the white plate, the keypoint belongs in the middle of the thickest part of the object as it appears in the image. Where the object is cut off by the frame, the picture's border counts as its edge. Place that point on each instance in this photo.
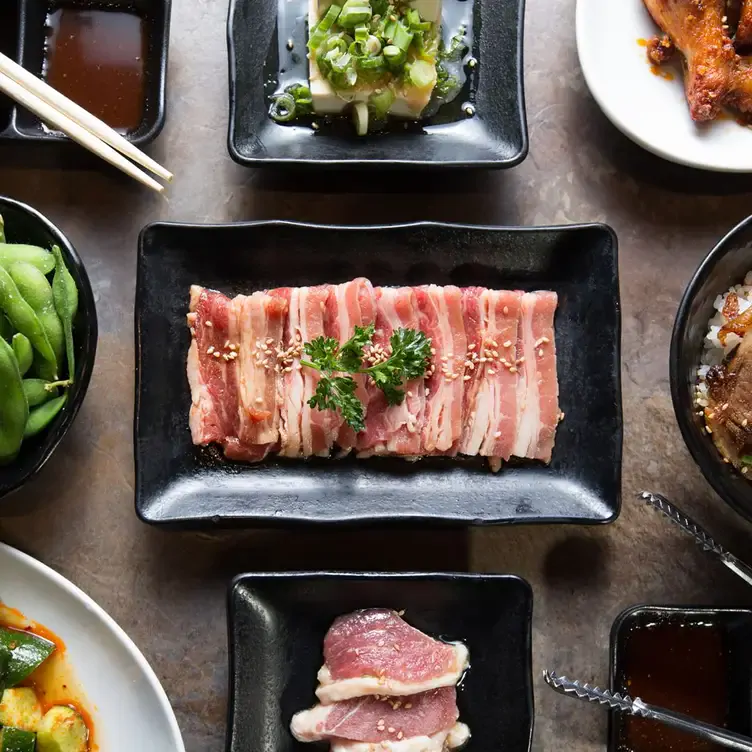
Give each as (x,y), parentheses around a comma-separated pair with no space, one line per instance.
(129,707)
(648,109)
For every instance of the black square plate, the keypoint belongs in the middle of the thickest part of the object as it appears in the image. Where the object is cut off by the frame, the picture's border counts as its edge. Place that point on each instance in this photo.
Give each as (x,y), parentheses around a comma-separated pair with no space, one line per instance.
(177,482)
(22,37)
(495,137)
(735,625)
(277,625)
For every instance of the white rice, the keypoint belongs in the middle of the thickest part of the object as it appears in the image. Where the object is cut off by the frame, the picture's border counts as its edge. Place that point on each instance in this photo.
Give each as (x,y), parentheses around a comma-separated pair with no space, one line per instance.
(713,352)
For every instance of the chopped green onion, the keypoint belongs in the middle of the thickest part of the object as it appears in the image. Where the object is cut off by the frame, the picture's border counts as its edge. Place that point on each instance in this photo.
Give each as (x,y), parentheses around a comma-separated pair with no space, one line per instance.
(415,22)
(373,45)
(422,74)
(446,84)
(370,63)
(456,50)
(282,109)
(394,56)
(335,43)
(360,117)
(319,33)
(380,7)
(340,62)
(402,37)
(746,459)
(389,30)
(381,102)
(361,33)
(354,13)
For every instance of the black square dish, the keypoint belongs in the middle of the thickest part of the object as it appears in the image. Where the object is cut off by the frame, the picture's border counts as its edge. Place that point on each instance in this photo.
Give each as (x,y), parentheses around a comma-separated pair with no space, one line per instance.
(277,624)
(177,482)
(24,40)
(494,137)
(717,659)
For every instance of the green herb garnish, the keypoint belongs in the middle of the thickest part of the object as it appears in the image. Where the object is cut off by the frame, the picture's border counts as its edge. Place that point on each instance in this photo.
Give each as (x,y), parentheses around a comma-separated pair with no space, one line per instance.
(410,350)
(746,459)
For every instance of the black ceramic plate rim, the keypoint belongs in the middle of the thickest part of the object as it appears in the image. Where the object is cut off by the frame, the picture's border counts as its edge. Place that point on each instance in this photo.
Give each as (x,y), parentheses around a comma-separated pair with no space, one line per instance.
(424,517)
(86,296)
(156,127)
(702,449)
(240,579)
(618,625)
(373,163)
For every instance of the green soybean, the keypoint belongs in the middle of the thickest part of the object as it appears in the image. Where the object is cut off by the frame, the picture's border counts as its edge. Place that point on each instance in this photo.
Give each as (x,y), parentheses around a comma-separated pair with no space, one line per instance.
(37,393)
(37,292)
(23,351)
(41,417)
(10,253)
(22,316)
(14,410)
(65,295)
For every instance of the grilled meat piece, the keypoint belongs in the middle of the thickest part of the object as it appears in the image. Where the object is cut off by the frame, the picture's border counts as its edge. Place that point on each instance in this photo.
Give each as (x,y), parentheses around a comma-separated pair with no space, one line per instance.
(697,28)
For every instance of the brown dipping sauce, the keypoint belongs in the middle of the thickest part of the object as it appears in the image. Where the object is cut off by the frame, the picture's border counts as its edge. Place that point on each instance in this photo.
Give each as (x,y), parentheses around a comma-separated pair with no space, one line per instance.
(680,666)
(97,58)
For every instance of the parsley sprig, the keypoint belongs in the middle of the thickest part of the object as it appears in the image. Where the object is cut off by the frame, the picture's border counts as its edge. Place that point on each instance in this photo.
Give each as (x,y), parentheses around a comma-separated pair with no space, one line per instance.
(336,391)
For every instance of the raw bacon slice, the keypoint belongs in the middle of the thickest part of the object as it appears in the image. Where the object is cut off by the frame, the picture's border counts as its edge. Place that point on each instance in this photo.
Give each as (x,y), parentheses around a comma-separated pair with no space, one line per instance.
(375,651)
(441,319)
(394,429)
(375,718)
(349,305)
(291,386)
(452,738)
(215,414)
(538,388)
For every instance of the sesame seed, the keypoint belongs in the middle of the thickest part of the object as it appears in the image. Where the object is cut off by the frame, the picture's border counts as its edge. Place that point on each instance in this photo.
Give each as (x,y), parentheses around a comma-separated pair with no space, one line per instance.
(217,354)
(506,310)
(513,369)
(210,350)
(409,394)
(193,332)
(497,435)
(233,347)
(428,392)
(259,400)
(471,347)
(508,343)
(408,705)
(493,343)
(391,729)
(433,351)
(209,324)
(444,358)
(455,376)
(540,352)
(466,378)
(400,735)
(491,372)
(227,343)
(450,355)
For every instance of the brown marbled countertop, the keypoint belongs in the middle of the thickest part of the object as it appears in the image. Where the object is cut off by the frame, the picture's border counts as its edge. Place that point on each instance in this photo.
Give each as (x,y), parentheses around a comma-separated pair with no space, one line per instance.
(168,589)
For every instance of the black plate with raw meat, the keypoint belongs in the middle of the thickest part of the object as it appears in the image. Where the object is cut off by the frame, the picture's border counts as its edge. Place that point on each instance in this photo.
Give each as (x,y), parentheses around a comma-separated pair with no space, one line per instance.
(179,483)
(277,624)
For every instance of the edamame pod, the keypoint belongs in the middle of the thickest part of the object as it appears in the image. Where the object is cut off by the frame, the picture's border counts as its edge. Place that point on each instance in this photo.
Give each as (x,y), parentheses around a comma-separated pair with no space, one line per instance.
(65,295)
(10,253)
(37,393)
(41,417)
(14,410)
(22,316)
(37,292)
(23,351)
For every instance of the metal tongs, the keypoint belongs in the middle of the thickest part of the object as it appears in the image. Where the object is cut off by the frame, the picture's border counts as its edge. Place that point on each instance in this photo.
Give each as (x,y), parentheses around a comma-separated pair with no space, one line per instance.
(635,706)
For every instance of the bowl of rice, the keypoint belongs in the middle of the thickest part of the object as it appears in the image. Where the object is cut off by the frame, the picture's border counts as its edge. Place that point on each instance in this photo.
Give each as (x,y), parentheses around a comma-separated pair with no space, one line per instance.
(720,290)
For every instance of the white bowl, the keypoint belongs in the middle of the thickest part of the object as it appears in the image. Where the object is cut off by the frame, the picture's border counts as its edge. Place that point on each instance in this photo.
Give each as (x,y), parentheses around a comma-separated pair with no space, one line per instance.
(128,705)
(647,108)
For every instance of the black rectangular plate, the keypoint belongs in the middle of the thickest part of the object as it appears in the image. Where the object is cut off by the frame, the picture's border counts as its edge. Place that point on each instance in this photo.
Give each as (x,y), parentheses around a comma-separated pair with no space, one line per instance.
(22,38)
(496,137)
(277,624)
(177,482)
(737,627)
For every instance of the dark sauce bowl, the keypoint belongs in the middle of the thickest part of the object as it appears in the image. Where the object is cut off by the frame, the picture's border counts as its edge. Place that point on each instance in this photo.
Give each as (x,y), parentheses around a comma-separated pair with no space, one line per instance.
(712,677)
(725,266)
(26,225)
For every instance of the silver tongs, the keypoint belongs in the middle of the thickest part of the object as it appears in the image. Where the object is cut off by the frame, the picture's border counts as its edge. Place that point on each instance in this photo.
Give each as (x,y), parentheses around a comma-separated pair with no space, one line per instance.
(689,526)
(635,706)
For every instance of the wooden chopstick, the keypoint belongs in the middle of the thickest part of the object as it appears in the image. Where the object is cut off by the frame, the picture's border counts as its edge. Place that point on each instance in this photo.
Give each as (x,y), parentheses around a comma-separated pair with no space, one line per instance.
(78,114)
(77,132)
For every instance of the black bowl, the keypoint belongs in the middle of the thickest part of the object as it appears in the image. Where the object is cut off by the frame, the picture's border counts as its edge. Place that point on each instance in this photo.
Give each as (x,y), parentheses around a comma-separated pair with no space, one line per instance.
(22,37)
(735,627)
(26,225)
(726,265)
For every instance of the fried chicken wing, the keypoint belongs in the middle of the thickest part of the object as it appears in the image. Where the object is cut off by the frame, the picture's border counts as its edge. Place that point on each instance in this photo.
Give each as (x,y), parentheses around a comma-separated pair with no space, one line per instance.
(744,29)
(696,27)
(740,96)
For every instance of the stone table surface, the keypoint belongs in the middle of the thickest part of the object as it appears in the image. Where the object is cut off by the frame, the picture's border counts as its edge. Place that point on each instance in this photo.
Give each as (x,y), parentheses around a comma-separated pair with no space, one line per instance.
(168,589)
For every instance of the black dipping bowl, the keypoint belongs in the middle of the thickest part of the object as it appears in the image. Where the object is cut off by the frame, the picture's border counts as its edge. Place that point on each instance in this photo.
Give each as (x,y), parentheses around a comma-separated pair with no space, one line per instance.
(726,265)
(26,225)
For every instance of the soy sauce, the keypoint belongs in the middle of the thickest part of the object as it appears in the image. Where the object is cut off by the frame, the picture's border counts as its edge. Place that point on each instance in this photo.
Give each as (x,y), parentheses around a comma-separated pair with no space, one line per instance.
(97,58)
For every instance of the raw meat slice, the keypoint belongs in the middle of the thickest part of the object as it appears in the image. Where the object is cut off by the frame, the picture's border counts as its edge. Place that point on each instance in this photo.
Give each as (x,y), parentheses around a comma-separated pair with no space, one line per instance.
(474,409)
(538,388)
(379,718)
(375,651)
(291,385)
(441,319)
(262,320)
(215,414)
(452,738)
(394,429)
(349,305)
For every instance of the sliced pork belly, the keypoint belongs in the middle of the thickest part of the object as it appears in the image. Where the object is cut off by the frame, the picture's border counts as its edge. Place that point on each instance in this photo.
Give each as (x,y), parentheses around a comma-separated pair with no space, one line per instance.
(394,429)
(215,414)
(441,319)
(377,718)
(448,739)
(349,305)
(538,386)
(375,651)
